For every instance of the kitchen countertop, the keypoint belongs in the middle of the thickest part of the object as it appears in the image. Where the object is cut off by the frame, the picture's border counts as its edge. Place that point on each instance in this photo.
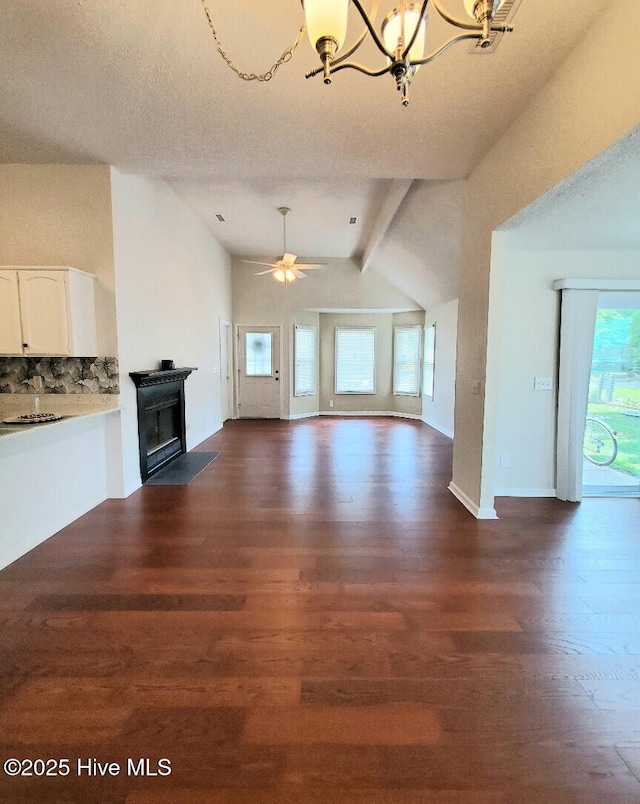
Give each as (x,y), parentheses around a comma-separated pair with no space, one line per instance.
(7,429)
(81,406)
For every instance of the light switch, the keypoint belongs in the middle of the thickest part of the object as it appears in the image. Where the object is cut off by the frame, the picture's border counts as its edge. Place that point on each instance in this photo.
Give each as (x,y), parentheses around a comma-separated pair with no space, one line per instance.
(543,383)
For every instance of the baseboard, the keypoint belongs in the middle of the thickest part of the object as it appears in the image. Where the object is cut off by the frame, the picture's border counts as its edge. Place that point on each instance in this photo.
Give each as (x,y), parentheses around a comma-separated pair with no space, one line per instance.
(354,413)
(479,513)
(447,433)
(369,413)
(511,492)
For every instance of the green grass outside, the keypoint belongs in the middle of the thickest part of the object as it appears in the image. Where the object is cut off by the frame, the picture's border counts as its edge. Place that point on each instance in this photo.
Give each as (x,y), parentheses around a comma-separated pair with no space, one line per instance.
(630,396)
(627,429)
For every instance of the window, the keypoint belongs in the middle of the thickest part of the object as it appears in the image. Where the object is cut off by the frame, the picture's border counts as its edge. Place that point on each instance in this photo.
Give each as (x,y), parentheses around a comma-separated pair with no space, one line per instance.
(355,360)
(406,360)
(304,369)
(429,361)
(258,351)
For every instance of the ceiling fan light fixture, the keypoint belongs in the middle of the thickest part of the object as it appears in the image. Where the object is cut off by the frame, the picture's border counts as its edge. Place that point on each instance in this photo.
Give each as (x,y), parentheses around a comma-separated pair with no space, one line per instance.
(284,275)
(286,269)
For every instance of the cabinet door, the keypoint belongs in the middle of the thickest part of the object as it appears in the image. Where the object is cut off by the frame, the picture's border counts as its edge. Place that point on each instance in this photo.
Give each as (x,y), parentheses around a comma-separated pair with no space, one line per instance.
(43,307)
(10,331)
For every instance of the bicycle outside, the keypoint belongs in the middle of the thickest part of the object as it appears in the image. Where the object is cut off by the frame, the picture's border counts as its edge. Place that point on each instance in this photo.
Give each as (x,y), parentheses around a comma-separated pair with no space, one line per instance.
(600,445)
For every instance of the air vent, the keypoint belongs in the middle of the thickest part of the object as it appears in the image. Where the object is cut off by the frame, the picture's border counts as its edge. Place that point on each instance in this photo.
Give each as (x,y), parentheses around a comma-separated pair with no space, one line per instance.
(353,220)
(220,217)
(503,15)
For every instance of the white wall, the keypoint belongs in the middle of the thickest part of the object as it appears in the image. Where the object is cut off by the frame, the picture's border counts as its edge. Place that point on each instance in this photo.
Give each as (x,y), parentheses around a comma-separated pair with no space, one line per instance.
(527,346)
(583,109)
(48,478)
(438,412)
(173,286)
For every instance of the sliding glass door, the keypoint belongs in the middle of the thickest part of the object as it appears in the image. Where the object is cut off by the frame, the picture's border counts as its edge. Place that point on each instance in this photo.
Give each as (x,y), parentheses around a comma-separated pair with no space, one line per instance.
(611,448)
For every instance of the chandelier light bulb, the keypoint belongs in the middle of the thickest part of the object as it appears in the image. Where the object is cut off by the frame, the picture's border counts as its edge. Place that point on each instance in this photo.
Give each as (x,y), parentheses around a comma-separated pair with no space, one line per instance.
(392,31)
(326,19)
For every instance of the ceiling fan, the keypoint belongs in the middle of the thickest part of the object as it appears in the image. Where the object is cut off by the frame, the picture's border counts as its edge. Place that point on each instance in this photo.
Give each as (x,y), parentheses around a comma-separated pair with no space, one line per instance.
(285,269)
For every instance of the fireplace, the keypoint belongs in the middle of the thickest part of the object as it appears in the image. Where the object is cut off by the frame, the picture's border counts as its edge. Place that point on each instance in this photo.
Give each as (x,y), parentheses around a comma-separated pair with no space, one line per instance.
(161,419)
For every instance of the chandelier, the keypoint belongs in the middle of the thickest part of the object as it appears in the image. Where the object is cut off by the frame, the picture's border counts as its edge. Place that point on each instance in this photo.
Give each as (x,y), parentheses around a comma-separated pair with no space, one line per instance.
(402,38)
(402,35)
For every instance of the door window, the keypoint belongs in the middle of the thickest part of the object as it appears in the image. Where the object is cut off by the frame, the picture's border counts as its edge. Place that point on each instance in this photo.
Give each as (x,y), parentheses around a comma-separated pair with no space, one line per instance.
(258,354)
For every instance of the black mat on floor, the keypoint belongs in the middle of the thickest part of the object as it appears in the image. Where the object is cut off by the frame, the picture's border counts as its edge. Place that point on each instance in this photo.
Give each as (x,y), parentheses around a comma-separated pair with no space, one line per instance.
(182,471)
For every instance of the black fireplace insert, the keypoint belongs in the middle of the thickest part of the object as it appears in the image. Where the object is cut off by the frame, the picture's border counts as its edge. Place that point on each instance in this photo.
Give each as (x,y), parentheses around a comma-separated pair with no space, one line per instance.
(161,417)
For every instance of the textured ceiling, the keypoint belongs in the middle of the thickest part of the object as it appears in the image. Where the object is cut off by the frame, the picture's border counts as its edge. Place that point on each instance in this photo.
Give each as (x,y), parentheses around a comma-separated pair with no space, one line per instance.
(138,84)
(598,207)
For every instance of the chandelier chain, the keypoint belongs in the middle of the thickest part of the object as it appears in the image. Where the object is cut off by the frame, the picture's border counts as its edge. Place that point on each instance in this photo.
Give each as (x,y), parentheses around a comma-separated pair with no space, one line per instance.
(284,58)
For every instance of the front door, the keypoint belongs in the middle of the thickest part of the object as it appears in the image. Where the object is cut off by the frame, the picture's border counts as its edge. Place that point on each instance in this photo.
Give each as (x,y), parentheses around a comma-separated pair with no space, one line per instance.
(259,372)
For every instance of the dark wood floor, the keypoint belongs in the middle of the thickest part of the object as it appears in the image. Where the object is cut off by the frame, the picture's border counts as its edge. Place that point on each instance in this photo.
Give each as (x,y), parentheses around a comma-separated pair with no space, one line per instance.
(316,619)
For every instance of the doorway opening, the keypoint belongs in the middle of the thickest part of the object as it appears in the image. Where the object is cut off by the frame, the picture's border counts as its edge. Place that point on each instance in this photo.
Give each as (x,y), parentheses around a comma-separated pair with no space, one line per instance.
(226,370)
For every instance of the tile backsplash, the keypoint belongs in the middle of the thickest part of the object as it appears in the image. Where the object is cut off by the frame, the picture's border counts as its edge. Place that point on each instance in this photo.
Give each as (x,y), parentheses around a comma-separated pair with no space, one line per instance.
(59,375)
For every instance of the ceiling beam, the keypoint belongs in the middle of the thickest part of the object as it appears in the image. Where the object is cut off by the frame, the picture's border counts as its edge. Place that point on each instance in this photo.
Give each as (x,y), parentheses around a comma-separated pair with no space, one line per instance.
(399,188)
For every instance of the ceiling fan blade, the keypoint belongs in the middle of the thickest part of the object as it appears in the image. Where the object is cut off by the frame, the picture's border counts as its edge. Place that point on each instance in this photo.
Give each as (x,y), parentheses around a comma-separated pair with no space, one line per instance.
(288,259)
(270,271)
(254,262)
(298,274)
(311,266)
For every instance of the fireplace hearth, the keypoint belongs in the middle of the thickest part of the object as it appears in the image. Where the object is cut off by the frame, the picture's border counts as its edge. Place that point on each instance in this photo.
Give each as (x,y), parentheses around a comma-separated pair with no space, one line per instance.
(161,417)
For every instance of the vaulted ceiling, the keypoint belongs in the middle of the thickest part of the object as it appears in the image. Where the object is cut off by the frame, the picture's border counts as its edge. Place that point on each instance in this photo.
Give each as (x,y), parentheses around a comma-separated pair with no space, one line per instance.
(139,84)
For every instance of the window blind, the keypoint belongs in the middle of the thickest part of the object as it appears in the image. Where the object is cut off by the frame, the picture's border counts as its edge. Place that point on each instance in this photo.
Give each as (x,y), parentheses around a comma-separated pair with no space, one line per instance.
(305,351)
(406,360)
(355,360)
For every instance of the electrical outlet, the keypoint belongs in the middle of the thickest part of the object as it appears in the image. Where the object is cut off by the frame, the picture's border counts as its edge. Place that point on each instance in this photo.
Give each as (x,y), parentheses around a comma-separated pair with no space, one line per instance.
(504,461)
(331,403)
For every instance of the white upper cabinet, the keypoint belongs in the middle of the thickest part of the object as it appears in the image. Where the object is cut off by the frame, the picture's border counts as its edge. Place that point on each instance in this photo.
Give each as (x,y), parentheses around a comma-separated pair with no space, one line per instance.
(47,311)
(10,329)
